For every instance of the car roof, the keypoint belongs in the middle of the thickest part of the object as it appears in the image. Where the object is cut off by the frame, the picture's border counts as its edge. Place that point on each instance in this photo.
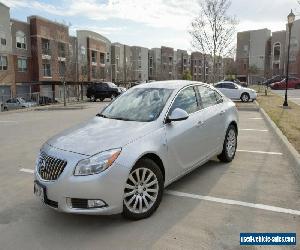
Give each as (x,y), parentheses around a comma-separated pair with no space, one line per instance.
(171,84)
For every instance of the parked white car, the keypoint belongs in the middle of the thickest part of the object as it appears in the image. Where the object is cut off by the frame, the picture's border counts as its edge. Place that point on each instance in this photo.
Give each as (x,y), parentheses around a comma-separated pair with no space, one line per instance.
(235,91)
(148,137)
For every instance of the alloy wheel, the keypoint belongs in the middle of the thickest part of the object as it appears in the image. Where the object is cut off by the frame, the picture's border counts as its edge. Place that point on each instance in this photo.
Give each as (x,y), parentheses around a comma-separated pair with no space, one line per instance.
(231,143)
(141,190)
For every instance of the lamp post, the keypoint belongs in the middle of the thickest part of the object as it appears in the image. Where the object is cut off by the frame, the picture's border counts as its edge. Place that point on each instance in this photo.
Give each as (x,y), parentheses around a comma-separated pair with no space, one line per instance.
(291,19)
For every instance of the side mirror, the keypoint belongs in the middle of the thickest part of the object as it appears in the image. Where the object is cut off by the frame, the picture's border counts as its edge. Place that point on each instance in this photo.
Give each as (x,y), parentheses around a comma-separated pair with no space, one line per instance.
(177,115)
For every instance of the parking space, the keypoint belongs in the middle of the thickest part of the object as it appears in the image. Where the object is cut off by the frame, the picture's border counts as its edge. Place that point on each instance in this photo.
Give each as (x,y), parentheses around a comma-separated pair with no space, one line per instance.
(208,208)
(293,94)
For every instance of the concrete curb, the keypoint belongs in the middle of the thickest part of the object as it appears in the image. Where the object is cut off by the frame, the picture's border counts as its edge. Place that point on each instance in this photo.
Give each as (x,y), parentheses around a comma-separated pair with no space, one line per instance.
(290,150)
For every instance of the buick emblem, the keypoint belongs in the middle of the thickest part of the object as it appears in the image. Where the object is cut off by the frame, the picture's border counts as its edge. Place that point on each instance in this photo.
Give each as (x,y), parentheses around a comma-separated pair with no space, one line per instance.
(42,165)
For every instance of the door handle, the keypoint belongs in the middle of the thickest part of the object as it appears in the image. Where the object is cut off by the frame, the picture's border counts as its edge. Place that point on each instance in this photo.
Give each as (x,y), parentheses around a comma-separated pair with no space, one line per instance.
(222,112)
(199,123)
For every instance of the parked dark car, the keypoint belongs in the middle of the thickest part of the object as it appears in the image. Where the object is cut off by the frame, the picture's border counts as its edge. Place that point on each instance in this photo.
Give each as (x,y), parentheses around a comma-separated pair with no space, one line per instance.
(45,100)
(277,78)
(293,83)
(103,90)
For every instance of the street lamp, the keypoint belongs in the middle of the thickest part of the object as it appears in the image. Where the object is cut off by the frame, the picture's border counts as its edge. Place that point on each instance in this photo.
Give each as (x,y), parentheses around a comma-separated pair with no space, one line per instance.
(291,19)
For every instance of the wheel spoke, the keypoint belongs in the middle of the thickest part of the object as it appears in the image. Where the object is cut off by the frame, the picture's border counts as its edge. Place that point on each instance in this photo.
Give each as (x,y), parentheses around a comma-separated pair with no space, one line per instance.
(137,172)
(132,179)
(151,183)
(129,194)
(149,177)
(131,200)
(144,174)
(146,202)
(136,202)
(149,196)
(152,190)
(141,204)
(129,186)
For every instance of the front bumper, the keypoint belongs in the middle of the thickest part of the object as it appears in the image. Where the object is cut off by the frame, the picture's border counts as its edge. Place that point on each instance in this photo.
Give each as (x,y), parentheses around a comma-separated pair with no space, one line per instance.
(107,186)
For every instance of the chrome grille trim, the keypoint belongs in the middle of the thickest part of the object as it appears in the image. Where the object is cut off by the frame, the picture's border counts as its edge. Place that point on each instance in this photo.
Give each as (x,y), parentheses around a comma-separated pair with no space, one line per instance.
(50,168)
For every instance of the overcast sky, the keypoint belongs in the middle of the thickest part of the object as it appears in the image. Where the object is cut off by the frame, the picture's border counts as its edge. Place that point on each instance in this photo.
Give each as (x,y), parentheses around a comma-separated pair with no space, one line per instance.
(150,23)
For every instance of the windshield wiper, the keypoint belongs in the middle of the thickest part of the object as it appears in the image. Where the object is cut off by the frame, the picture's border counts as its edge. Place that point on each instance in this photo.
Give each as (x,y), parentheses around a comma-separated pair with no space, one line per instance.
(101,115)
(120,118)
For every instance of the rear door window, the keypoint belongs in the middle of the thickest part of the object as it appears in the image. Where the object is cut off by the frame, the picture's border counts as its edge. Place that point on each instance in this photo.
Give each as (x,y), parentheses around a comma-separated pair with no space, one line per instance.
(209,97)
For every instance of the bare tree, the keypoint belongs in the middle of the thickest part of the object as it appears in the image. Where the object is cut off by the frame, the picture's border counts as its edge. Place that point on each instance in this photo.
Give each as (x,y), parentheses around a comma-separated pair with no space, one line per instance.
(213,31)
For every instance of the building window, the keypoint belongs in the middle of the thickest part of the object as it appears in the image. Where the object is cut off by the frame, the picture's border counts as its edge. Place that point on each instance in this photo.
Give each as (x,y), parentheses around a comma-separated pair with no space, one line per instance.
(22,64)
(3,41)
(46,68)
(20,40)
(276,51)
(107,57)
(45,47)
(3,62)
(94,72)
(62,69)
(170,60)
(82,50)
(94,56)
(61,50)
(102,58)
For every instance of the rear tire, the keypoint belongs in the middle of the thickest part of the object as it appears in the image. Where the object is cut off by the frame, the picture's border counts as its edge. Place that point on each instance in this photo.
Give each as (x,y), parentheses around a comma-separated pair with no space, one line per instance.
(229,145)
(143,190)
(297,86)
(245,97)
(102,99)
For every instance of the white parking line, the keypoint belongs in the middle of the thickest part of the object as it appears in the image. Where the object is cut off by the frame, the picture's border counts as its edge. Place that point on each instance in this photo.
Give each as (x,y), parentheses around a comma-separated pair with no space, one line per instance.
(8,122)
(259,152)
(26,170)
(234,202)
(256,118)
(252,129)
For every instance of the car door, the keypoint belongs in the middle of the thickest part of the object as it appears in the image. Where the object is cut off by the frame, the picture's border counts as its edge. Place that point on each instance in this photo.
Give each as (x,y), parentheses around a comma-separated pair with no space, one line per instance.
(185,138)
(230,90)
(213,117)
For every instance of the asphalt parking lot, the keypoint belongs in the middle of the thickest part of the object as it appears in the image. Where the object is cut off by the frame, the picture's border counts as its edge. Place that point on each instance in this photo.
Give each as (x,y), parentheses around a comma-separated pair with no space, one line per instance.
(293,94)
(207,209)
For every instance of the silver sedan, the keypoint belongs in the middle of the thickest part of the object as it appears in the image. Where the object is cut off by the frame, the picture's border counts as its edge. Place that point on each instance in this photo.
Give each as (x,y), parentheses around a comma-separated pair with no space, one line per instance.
(121,160)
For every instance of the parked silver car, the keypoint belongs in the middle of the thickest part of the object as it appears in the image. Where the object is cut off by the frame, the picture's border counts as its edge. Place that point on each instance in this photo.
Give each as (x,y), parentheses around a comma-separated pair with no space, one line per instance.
(121,160)
(17,103)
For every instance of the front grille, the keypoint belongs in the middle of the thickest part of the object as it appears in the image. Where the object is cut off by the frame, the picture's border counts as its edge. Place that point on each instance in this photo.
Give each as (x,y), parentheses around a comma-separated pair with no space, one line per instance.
(79,203)
(50,168)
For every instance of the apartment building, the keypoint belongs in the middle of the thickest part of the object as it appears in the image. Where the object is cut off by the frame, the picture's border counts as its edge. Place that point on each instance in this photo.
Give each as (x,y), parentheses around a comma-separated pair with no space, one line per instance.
(21,53)
(294,66)
(167,63)
(278,52)
(7,77)
(197,67)
(155,64)
(139,59)
(252,54)
(94,53)
(51,62)
(182,64)
(118,62)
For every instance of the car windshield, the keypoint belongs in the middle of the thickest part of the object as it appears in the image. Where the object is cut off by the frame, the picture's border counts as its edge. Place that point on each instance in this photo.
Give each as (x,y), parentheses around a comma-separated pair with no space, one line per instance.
(138,104)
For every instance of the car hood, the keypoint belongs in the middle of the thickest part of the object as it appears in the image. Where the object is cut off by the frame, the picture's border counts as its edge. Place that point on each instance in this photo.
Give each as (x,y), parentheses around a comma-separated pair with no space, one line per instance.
(100,134)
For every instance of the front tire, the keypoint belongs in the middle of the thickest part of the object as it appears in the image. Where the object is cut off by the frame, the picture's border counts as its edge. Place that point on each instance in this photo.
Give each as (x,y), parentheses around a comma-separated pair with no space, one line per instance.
(143,190)
(229,145)
(93,98)
(245,97)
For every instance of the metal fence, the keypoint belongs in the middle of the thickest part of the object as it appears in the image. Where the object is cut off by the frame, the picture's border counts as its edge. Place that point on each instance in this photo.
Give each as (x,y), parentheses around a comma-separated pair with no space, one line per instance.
(72,95)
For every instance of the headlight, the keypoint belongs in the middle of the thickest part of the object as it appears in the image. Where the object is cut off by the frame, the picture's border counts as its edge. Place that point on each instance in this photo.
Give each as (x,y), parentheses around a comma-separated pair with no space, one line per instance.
(97,163)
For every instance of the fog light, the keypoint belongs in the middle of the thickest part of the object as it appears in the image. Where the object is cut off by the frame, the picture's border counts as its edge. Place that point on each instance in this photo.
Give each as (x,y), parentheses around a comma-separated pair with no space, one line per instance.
(96,203)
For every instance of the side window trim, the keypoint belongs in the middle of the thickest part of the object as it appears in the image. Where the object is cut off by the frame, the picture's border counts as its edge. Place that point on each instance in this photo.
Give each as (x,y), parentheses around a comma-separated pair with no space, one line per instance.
(172,102)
